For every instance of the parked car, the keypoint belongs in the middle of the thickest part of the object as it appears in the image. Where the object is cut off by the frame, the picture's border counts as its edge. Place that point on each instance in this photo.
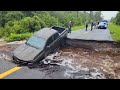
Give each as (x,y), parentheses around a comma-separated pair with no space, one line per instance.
(102,25)
(40,45)
(104,21)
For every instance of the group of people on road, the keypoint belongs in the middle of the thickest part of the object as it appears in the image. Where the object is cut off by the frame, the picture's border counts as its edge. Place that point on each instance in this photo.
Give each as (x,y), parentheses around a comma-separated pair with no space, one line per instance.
(93,25)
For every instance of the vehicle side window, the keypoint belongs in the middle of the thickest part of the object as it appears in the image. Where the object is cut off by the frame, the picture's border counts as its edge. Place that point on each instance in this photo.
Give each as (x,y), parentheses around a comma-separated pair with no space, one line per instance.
(55,36)
(49,41)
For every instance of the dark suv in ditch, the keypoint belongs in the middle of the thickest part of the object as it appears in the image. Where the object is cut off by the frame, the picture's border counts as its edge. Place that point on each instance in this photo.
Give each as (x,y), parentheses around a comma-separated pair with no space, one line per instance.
(40,45)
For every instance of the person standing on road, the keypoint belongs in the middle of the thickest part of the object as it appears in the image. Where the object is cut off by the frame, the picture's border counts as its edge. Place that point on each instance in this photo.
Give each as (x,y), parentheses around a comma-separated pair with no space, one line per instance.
(69,27)
(98,22)
(86,25)
(92,24)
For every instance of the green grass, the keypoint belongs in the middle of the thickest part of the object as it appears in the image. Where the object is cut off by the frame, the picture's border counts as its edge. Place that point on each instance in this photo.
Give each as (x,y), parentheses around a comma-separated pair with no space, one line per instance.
(115,31)
(78,27)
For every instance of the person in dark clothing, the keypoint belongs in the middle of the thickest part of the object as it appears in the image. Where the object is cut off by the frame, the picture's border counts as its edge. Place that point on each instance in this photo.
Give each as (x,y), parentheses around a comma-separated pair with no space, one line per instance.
(95,24)
(69,27)
(86,25)
(92,24)
(98,22)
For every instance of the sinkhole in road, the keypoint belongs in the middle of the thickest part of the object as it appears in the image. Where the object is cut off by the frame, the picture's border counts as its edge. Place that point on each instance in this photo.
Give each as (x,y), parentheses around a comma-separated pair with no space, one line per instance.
(78,60)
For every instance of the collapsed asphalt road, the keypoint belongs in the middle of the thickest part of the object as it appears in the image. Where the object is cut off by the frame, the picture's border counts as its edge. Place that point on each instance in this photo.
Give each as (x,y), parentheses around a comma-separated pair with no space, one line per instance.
(68,63)
(95,34)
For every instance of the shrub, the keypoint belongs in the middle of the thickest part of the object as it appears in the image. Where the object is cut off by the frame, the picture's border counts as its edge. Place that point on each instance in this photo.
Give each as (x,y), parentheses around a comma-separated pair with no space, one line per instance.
(17,37)
(1,32)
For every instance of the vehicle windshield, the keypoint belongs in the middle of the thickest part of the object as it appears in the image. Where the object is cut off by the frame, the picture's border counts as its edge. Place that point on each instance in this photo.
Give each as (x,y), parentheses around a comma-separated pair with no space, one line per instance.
(102,23)
(36,42)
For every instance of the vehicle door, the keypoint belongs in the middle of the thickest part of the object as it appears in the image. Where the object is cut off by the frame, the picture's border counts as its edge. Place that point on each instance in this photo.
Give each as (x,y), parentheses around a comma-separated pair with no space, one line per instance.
(49,46)
(56,42)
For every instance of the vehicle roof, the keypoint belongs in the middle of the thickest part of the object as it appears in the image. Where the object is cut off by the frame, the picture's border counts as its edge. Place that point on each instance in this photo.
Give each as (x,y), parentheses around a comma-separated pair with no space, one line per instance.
(103,21)
(45,33)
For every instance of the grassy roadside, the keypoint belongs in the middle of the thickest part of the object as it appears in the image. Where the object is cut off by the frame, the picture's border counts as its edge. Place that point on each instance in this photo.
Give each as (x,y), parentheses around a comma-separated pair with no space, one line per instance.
(115,31)
(78,27)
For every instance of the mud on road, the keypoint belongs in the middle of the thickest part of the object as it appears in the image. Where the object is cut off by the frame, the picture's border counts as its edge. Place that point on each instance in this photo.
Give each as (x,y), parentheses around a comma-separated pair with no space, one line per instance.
(99,61)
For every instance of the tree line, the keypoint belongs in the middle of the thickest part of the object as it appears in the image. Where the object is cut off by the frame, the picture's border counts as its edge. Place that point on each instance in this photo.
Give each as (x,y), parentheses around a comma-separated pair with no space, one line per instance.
(116,19)
(20,22)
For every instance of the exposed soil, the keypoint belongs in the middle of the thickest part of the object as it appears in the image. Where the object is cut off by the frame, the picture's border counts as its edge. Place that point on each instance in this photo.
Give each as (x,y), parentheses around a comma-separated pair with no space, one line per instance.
(6,49)
(107,62)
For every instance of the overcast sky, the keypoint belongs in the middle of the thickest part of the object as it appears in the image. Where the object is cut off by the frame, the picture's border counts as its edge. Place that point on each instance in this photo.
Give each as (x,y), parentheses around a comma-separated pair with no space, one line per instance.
(108,14)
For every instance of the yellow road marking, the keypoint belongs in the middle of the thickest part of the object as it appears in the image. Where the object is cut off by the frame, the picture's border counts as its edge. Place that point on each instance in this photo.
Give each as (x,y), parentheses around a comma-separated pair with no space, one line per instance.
(9,72)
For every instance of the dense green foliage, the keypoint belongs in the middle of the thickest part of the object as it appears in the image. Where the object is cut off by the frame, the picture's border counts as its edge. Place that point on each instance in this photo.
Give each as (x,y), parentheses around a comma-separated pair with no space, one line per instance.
(116,20)
(15,24)
(79,27)
(115,31)
(114,27)
(17,37)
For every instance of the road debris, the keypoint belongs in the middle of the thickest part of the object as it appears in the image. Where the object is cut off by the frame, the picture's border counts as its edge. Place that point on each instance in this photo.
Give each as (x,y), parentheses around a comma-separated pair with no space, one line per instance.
(6,57)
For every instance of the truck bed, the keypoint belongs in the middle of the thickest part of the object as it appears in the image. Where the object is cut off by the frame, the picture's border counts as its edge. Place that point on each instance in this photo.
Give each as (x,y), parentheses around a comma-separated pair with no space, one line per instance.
(59,29)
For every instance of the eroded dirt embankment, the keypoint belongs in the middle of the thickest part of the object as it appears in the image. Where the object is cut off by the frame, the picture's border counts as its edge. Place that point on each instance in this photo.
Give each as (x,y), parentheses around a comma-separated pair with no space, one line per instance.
(83,59)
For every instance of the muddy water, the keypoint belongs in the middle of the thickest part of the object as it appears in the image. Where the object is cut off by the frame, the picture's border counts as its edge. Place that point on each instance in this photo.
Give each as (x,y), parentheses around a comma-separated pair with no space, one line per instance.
(87,64)
(102,60)
(77,63)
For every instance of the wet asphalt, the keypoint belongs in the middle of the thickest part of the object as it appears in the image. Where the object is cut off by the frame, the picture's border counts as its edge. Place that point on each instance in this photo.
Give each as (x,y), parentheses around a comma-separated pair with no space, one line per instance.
(95,34)
(5,65)
(45,72)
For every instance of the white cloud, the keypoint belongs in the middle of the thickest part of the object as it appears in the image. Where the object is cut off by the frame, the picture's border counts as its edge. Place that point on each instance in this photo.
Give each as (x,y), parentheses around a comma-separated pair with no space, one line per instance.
(108,14)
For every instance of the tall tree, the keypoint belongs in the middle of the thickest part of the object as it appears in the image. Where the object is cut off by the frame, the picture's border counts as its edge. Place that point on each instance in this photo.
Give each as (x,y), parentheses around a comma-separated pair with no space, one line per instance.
(97,16)
(91,15)
(117,18)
